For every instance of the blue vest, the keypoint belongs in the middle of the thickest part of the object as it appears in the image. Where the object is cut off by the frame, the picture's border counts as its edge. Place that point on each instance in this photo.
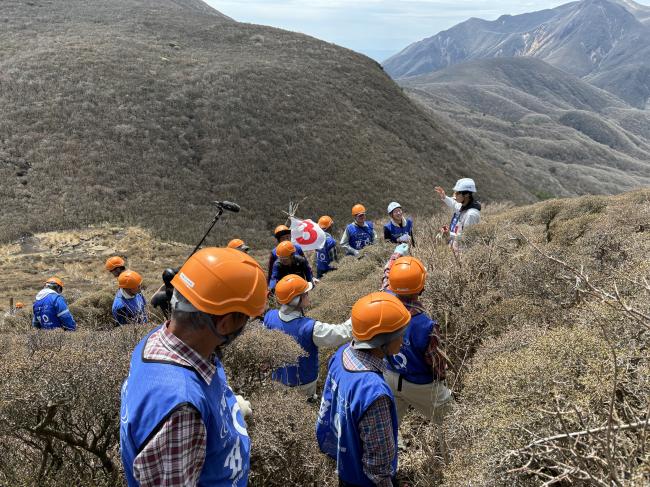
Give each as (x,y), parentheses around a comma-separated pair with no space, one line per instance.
(359,237)
(410,361)
(324,254)
(153,390)
(396,231)
(301,330)
(51,311)
(346,397)
(133,310)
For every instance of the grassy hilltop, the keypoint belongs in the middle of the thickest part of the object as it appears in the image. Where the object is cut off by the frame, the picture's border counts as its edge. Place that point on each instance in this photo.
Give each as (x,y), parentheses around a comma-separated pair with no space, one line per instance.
(546,322)
(143,111)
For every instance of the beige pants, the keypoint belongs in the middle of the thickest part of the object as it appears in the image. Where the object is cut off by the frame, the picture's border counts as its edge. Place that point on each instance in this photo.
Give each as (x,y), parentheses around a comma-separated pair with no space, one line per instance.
(432,400)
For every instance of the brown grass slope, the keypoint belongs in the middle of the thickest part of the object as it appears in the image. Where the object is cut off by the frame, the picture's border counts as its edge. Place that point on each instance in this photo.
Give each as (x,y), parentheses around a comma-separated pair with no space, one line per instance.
(548,129)
(546,325)
(142,112)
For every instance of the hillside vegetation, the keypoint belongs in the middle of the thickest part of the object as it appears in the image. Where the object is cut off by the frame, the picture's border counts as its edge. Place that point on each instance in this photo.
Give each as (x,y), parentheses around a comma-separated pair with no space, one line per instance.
(546,321)
(144,111)
(546,128)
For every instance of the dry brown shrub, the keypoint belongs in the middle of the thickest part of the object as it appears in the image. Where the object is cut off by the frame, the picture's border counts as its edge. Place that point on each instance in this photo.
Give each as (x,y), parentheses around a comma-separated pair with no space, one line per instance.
(59,406)
(251,358)
(512,385)
(94,309)
(284,449)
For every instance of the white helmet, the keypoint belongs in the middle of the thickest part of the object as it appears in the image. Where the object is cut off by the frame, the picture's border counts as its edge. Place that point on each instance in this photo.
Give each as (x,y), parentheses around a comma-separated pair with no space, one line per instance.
(393,206)
(465,184)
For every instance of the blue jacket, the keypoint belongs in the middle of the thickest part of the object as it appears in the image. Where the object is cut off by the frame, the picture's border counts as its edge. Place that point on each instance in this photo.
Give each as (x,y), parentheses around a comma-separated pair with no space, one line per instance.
(410,362)
(346,397)
(300,266)
(274,256)
(392,232)
(155,389)
(359,237)
(129,310)
(302,331)
(51,311)
(326,254)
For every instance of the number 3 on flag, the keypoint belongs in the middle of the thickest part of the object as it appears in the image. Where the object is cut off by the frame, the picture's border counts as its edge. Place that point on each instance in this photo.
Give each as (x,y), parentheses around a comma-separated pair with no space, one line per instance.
(307,234)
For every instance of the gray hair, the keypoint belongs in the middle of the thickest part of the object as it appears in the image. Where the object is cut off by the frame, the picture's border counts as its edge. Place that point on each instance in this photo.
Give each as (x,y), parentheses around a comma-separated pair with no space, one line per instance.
(378,341)
(184,313)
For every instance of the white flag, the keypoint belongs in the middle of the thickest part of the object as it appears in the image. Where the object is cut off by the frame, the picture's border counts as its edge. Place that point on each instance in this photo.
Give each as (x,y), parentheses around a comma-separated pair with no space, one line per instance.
(307,234)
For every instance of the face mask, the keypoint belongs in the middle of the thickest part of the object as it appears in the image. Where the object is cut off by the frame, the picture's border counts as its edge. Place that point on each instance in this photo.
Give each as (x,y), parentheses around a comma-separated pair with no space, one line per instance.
(228,339)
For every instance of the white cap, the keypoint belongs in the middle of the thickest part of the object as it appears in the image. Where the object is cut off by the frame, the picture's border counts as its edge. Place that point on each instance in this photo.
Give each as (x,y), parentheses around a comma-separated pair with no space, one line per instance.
(392,206)
(465,184)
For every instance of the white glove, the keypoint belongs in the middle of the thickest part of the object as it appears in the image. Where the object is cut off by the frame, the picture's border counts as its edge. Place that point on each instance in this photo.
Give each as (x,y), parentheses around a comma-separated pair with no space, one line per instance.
(244,406)
(406,238)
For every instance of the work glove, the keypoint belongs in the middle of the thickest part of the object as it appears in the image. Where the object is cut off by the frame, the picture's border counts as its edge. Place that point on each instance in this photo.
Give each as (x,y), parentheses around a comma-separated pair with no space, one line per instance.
(402,249)
(244,406)
(406,238)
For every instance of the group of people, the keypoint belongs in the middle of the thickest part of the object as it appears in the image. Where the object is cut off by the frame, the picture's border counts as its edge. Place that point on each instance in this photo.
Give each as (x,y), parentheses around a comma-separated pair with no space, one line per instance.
(181,424)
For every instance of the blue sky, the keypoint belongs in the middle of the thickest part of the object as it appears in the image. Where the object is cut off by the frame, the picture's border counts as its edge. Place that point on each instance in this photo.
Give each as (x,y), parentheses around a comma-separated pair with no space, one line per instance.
(377,28)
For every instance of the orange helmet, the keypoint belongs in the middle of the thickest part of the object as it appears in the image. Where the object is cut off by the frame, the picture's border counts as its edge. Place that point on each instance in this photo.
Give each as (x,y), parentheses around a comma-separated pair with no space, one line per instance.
(325,222)
(281,230)
(129,280)
(358,209)
(114,262)
(407,276)
(54,280)
(222,281)
(285,249)
(19,305)
(378,313)
(235,243)
(291,286)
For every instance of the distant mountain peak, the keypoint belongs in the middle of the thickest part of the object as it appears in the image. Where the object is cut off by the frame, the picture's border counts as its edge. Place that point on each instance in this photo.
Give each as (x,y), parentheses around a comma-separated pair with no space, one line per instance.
(594,39)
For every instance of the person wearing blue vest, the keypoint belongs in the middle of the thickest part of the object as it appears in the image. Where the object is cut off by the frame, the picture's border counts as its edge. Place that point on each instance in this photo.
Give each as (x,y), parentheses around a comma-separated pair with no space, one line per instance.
(292,292)
(398,229)
(467,210)
(357,421)
(129,305)
(50,308)
(416,374)
(181,424)
(328,253)
(359,233)
(282,233)
(289,262)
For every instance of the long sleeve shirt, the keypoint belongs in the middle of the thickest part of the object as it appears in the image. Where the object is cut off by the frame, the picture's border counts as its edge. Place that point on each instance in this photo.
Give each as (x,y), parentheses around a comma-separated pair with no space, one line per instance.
(324,334)
(470,217)
(345,242)
(51,311)
(375,427)
(176,453)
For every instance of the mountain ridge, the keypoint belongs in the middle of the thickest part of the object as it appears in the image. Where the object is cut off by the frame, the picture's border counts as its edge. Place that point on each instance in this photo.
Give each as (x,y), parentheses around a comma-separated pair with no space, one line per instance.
(598,40)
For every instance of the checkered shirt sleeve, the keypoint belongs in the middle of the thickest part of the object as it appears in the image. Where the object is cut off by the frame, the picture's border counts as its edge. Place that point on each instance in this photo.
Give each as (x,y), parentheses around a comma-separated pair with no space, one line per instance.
(174,457)
(376,432)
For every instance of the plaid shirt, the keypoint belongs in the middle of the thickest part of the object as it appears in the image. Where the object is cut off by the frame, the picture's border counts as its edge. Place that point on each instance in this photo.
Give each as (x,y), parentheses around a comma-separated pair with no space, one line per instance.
(175,455)
(375,428)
